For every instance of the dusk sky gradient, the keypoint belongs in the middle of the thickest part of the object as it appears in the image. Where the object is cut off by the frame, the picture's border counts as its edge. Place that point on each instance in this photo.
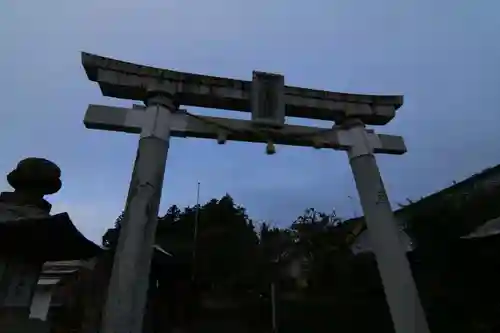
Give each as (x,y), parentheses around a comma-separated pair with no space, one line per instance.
(444,56)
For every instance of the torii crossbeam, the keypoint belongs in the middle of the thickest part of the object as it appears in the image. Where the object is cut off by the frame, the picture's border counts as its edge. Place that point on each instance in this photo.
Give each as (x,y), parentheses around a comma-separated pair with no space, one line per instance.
(185,125)
(270,101)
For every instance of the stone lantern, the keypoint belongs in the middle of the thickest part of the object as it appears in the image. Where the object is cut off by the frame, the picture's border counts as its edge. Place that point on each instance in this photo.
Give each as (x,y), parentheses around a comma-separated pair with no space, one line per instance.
(30,236)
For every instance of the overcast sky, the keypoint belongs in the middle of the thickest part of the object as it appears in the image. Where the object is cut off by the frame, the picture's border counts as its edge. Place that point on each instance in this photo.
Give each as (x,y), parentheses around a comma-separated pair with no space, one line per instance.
(444,56)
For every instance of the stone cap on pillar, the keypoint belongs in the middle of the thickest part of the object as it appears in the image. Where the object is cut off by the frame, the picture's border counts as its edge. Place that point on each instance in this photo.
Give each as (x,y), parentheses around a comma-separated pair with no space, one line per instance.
(36,174)
(32,179)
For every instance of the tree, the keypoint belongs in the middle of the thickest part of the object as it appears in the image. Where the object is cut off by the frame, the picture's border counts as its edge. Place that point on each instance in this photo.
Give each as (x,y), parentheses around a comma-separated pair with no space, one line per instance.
(321,240)
(110,238)
(233,259)
(276,252)
(225,245)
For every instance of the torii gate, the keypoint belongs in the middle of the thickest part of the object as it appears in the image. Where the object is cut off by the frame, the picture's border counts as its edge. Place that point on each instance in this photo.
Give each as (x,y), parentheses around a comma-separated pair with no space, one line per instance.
(269,101)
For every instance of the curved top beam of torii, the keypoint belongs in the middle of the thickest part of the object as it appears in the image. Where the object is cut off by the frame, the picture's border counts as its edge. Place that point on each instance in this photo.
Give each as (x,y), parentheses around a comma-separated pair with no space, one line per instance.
(126,80)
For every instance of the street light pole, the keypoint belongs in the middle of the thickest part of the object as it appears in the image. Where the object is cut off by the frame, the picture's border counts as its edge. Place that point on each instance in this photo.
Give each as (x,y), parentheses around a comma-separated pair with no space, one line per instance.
(353,206)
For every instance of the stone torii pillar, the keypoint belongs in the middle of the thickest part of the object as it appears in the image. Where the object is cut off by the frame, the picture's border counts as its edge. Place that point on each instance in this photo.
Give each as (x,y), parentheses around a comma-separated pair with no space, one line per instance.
(127,291)
(394,268)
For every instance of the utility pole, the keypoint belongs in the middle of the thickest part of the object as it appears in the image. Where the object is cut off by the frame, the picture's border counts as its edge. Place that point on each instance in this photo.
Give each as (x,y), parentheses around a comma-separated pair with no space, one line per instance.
(275,273)
(195,230)
(353,206)
(273,307)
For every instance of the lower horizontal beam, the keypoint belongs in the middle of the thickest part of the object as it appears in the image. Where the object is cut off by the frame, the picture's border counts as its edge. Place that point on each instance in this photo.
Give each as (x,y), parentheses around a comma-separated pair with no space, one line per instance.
(186,125)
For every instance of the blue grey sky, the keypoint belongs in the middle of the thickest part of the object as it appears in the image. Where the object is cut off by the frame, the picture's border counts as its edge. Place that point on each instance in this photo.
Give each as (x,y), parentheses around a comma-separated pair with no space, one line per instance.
(444,56)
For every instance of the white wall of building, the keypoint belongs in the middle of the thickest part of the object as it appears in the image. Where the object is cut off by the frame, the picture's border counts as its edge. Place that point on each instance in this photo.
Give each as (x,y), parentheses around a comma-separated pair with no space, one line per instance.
(41,303)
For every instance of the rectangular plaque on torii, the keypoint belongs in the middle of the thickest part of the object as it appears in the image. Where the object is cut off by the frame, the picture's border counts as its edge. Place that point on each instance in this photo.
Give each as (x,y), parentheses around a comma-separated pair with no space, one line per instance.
(267,99)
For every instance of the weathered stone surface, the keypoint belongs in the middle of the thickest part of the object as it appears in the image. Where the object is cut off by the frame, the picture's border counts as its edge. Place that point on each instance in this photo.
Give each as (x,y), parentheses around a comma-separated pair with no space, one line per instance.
(126,80)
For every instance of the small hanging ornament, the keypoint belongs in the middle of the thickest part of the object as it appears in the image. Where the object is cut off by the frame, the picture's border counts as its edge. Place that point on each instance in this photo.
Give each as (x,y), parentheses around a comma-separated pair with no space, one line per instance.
(221,137)
(270,149)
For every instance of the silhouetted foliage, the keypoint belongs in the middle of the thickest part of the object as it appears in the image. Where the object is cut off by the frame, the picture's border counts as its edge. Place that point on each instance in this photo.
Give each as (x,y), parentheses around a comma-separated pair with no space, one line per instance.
(110,238)
(232,261)
(434,224)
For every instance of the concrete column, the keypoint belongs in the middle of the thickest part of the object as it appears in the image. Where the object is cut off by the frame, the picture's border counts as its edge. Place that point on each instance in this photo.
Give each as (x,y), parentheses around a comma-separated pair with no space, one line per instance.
(400,290)
(127,292)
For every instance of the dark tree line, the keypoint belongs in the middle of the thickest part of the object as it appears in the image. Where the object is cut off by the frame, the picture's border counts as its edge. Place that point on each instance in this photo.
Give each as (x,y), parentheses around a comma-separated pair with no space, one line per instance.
(322,286)
(234,254)
(235,264)
(238,259)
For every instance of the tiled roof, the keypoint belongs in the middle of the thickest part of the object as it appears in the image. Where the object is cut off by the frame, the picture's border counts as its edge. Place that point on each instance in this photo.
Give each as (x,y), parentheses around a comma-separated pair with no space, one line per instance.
(47,238)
